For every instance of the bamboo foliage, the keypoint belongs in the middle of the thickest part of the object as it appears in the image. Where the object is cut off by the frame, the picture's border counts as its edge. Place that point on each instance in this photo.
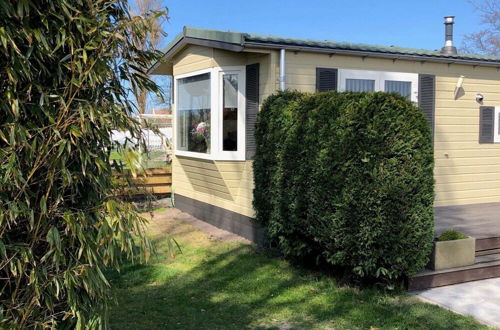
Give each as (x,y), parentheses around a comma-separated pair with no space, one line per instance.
(67,70)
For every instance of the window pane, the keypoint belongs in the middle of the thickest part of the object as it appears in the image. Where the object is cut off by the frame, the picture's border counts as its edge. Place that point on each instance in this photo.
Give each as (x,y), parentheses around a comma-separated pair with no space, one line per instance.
(401,87)
(230,112)
(193,113)
(359,85)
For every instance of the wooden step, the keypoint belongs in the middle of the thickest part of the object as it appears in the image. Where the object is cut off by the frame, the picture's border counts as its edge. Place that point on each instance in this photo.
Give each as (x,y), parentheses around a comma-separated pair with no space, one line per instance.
(486,266)
(487,252)
(487,246)
(490,243)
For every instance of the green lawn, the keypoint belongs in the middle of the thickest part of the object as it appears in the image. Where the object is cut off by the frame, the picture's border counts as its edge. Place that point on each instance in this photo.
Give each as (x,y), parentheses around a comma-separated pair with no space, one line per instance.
(230,285)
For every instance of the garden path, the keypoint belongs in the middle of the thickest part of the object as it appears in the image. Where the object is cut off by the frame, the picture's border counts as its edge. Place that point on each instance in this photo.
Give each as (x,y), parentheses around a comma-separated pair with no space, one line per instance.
(479,299)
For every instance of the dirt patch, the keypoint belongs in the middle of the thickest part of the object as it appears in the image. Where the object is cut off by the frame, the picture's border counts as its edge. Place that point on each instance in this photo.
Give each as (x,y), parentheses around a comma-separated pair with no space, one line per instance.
(177,224)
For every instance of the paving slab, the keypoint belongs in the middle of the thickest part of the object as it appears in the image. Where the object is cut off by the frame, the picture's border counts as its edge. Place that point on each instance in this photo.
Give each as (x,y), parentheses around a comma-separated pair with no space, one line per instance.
(479,299)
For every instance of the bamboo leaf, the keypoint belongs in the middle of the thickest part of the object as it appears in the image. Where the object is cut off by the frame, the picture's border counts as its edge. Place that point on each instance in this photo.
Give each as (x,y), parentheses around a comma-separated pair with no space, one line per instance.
(75,131)
(3,250)
(43,204)
(65,58)
(54,239)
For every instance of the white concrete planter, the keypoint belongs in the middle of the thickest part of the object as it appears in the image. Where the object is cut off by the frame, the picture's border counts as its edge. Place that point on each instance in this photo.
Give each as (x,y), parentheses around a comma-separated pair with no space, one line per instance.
(457,253)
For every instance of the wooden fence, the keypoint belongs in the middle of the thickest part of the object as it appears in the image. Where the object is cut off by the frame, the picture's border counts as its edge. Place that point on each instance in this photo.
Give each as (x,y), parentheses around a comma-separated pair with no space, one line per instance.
(157,181)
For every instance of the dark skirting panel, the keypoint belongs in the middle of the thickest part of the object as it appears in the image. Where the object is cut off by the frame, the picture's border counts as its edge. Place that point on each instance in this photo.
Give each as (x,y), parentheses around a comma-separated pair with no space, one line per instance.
(233,222)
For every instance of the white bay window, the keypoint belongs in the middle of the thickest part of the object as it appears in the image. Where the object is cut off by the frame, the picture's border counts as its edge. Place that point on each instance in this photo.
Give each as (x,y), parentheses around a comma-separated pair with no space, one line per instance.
(210,114)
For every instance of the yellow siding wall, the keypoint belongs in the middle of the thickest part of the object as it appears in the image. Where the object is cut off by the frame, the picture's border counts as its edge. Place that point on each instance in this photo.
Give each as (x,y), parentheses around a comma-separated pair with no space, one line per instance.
(195,58)
(222,183)
(466,172)
(226,184)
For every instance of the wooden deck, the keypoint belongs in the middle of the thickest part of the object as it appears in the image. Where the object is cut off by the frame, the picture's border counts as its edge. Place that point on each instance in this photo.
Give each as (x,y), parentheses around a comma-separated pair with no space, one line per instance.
(481,221)
(476,220)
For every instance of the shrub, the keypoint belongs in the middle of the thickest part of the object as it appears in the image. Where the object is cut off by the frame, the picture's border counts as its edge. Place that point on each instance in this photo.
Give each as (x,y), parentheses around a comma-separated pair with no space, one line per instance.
(269,126)
(346,178)
(451,235)
(66,72)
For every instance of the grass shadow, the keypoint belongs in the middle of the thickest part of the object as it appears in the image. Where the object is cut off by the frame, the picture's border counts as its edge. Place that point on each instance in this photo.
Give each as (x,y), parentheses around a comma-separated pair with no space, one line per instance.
(234,286)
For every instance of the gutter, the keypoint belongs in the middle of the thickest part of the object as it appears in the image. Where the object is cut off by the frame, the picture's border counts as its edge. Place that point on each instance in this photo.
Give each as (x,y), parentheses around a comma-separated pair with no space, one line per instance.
(253,44)
(184,39)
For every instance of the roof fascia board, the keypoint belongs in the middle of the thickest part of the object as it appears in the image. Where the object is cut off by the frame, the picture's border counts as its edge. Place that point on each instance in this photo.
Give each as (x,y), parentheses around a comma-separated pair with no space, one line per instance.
(213,44)
(201,42)
(426,58)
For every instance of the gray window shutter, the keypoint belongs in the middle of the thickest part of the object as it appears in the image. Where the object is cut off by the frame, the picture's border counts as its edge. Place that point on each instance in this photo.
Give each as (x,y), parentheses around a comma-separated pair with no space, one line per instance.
(326,79)
(486,124)
(427,96)
(252,107)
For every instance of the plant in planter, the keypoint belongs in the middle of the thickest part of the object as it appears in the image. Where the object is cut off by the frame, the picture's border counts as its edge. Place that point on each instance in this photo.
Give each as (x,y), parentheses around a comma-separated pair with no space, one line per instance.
(453,249)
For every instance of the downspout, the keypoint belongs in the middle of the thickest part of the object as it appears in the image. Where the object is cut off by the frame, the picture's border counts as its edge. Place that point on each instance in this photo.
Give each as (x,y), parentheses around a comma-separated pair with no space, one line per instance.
(282,70)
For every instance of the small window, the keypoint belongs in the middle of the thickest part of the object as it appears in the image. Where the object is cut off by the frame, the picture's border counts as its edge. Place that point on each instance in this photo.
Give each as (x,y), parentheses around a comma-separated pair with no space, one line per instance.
(360,85)
(193,112)
(405,84)
(401,87)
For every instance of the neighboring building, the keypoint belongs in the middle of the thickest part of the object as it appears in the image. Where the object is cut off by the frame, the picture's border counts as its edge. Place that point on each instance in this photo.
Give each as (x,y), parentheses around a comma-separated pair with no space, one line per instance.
(221,79)
(162,121)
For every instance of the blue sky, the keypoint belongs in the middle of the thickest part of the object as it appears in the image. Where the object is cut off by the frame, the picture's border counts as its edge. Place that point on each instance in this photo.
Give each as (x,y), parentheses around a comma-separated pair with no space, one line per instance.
(416,24)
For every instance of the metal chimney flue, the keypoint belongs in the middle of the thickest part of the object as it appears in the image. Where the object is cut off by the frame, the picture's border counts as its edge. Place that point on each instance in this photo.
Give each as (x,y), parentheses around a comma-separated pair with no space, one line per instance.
(448,48)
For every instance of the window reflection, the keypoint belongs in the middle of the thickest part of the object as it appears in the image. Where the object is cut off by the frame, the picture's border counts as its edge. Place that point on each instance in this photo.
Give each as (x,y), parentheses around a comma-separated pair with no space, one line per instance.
(193,111)
(230,112)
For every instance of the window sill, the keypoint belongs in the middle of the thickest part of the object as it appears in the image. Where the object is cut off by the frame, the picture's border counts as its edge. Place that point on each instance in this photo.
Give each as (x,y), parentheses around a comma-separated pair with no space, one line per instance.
(223,156)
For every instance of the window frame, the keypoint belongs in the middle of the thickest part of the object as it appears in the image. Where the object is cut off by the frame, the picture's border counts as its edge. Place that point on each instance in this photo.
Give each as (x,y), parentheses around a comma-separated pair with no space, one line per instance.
(380,77)
(239,154)
(216,94)
(496,125)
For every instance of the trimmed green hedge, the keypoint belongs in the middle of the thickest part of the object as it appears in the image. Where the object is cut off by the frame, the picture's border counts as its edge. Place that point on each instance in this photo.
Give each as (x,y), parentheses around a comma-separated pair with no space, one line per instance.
(346,178)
